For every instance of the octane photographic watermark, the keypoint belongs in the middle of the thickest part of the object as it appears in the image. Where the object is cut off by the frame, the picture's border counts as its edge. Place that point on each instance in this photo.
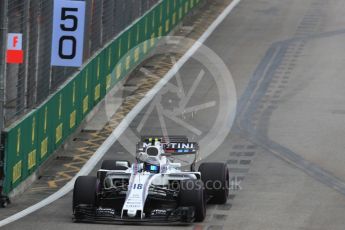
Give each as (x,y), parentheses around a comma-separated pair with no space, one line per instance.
(233,185)
(198,101)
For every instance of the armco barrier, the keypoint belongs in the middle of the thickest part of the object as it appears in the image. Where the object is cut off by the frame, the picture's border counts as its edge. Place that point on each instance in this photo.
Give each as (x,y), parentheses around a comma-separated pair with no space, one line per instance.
(29,142)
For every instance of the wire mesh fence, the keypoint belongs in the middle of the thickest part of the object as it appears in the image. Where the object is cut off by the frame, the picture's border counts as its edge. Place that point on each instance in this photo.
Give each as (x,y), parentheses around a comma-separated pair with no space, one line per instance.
(29,84)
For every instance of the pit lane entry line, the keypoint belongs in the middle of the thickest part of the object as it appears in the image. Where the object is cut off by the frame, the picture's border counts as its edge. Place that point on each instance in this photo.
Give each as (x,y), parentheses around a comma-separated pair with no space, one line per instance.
(102,150)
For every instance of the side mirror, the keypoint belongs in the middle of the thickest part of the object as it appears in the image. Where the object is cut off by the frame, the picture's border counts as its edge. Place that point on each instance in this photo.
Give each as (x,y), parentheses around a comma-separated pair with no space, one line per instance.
(175,165)
(122,163)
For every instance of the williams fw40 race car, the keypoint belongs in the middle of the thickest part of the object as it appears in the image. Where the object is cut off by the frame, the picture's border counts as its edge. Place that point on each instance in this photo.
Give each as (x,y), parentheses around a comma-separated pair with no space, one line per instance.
(162,186)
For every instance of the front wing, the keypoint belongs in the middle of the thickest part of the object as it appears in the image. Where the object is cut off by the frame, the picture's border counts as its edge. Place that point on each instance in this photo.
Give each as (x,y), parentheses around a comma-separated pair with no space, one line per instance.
(180,215)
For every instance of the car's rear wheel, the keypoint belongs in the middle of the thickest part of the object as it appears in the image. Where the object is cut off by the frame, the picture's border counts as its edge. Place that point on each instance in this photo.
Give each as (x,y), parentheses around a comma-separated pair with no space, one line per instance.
(192,194)
(84,192)
(216,180)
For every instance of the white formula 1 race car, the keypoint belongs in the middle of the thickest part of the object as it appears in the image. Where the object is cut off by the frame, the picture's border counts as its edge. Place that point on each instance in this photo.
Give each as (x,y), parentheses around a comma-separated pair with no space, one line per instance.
(161,186)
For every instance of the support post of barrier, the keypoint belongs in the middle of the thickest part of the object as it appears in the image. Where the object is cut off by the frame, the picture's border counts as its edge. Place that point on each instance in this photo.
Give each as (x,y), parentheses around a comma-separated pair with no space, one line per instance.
(3,40)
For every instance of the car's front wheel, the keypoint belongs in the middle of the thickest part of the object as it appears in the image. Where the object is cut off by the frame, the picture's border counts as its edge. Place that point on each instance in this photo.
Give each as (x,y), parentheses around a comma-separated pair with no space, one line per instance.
(216,180)
(192,194)
(84,192)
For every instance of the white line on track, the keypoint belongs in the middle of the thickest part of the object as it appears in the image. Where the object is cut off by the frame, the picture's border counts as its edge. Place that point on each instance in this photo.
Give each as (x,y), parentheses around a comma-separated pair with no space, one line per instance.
(102,150)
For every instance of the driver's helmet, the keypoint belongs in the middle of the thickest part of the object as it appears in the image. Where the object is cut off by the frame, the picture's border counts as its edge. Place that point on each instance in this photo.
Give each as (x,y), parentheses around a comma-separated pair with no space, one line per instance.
(151,158)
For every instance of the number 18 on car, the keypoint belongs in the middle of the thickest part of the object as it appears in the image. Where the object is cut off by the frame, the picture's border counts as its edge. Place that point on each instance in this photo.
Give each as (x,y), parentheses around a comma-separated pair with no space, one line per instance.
(68,33)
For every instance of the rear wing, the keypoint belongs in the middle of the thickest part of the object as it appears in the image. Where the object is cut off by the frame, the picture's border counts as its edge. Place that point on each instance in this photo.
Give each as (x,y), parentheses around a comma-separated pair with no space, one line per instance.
(172,145)
(164,139)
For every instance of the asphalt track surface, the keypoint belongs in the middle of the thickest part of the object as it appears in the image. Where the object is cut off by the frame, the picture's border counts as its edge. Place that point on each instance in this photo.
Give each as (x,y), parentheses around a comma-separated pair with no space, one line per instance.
(286,150)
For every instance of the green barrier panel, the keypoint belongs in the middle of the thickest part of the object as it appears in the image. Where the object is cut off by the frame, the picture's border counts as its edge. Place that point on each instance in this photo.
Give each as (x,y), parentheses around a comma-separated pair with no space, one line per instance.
(119,65)
(143,26)
(127,44)
(110,65)
(31,140)
(97,78)
(30,143)
(162,19)
(13,158)
(174,19)
(155,28)
(138,30)
(44,130)
(85,91)
(103,73)
(130,53)
(186,7)
(71,99)
(116,57)
(57,121)
(168,16)
(78,89)
(179,10)
(145,34)
(21,153)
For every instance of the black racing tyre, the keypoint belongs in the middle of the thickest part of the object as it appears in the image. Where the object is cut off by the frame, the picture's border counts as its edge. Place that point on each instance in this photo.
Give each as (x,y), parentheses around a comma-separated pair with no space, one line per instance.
(192,194)
(84,191)
(111,165)
(5,201)
(215,177)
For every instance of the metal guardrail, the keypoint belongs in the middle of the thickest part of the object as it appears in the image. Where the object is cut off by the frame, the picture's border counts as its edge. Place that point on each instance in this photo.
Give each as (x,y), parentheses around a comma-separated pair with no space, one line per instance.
(29,84)
(30,140)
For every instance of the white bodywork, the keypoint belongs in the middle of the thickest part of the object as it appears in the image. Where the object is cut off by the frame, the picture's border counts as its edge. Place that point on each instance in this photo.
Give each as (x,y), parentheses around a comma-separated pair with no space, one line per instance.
(141,180)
